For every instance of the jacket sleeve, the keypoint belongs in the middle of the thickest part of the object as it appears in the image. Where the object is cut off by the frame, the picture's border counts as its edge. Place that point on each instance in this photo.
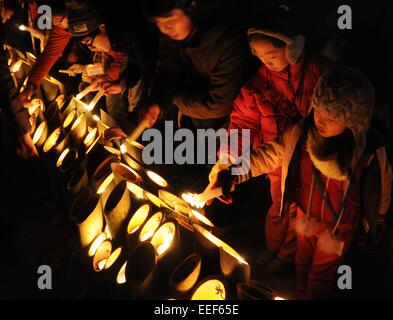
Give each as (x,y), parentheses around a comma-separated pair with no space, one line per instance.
(57,42)
(225,82)
(269,156)
(245,115)
(13,109)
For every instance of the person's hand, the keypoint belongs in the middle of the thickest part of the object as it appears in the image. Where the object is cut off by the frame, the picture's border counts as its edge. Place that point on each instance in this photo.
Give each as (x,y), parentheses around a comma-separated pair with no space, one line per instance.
(111,88)
(114,133)
(98,83)
(222,164)
(77,68)
(28,149)
(149,114)
(26,94)
(226,181)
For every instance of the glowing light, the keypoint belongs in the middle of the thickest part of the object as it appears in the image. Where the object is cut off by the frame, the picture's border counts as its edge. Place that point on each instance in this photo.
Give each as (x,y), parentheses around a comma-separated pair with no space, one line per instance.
(193,200)
(62,157)
(112,259)
(219,243)
(107,232)
(210,290)
(201,218)
(150,227)
(101,264)
(52,140)
(22,27)
(121,276)
(96,118)
(123,149)
(278,298)
(163,238)
(157,179)
(90,137)
(68,120)
(136,190)
(138,219)
(96,244)
(105,184)
(16,66)
(43,127)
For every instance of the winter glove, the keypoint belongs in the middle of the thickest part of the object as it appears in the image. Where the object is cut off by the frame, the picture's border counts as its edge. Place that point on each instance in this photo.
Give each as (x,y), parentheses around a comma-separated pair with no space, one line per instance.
(222,164)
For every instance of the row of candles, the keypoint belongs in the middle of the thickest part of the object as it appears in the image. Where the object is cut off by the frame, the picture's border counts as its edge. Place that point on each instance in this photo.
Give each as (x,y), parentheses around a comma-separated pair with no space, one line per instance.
(105,220)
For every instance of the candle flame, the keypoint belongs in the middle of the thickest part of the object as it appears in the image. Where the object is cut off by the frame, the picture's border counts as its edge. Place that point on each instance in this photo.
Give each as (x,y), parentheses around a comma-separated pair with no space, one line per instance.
(193,199)
(22,27)
(278,298)
(123,149)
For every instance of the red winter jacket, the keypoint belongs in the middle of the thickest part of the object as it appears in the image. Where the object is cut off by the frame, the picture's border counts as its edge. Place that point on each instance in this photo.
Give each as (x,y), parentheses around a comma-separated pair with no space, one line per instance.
(264,104)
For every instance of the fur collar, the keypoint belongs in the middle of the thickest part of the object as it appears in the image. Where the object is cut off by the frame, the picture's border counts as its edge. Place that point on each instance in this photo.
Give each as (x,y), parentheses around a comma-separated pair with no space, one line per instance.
(329,166)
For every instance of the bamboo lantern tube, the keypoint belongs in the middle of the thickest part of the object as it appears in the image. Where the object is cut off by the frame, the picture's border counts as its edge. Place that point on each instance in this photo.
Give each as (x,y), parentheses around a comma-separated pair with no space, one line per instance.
(114,270)
(69,120)
(186,274)
(40,134)
(78,181)
(103,179)
(102,255)
(154,181)
(90,221)
(255,290)
(132,162)
(90,139)
(101,238)
(210,288)
(233,267)
(208,245)
(78,202)
(175,203)
(200,219)
(151,226)
(135,224)
(79,128)
(155,200)
(136,191)
(140,270)
(116,211)
(164,239)
(123,172)
(102,171)
(66,160)
(52,140)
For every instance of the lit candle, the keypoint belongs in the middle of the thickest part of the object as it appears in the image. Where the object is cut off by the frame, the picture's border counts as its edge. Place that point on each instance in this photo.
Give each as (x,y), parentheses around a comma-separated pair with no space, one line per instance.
(85,91)
(95,100)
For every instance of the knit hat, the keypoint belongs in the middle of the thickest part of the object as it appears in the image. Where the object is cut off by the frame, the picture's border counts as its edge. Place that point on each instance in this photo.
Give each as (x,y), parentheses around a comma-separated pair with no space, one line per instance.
(83,18)
(347,95)
(283,23)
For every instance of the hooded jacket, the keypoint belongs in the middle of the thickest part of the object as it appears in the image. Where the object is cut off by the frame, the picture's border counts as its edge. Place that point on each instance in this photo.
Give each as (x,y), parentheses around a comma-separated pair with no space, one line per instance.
(264,105)
(285,152)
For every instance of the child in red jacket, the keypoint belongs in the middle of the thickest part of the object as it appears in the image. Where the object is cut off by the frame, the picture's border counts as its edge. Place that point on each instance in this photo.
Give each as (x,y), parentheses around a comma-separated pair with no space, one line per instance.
(335,170)
(278,95)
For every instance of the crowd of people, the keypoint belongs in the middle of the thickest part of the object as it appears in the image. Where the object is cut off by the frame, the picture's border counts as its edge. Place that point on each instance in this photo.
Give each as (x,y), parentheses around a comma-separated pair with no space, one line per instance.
(205,65)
